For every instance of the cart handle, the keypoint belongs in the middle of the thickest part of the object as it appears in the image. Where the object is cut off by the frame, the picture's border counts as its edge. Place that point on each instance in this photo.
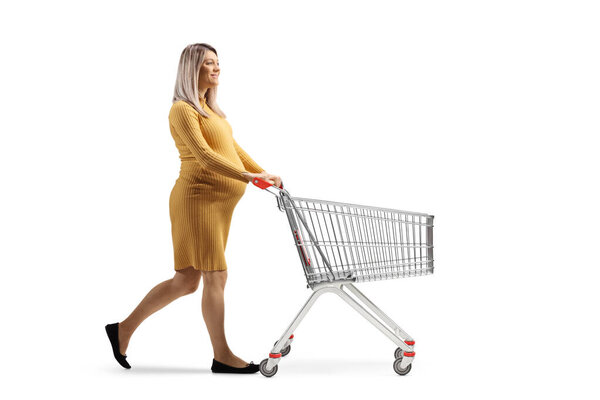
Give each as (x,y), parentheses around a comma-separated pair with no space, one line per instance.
(261,183)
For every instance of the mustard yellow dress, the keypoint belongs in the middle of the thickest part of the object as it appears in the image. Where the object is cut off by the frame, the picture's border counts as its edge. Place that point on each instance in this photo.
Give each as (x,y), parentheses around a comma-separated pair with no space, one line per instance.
(209,186)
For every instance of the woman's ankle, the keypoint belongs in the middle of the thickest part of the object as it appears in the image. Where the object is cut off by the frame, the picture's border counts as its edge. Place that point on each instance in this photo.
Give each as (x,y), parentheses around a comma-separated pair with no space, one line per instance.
(231,360)
(125,328)
(223,353)
(124,337)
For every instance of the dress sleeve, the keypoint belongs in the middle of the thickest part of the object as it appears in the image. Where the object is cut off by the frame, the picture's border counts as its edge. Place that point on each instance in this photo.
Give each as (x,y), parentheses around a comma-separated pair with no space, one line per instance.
(185,121)
(248,162)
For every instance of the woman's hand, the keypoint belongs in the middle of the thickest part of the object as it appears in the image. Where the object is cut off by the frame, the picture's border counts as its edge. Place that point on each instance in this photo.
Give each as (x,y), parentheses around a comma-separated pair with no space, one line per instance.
(272,179)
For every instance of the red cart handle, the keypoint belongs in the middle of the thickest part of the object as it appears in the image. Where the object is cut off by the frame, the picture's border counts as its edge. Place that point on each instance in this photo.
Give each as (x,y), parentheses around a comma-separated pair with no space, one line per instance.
(261,183)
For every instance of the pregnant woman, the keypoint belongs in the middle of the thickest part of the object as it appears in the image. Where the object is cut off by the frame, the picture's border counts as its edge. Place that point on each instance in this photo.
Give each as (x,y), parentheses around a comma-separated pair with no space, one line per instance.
(213,177)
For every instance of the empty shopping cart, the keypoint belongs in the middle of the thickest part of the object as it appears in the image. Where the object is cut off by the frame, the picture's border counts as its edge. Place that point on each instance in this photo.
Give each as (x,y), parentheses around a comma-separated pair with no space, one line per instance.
(339,244)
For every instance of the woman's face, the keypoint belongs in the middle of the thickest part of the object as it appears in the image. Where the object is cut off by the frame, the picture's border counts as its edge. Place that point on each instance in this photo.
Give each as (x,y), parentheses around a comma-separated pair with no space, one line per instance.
(209,71)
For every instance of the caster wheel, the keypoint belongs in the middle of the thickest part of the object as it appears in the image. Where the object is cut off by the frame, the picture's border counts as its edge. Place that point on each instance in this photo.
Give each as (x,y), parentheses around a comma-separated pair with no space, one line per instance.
(286,350)
(398,353)
(399,370)
(266,372)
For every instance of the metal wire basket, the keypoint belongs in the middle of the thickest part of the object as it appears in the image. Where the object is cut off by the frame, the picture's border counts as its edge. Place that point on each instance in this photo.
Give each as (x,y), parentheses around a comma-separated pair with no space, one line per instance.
(361,243)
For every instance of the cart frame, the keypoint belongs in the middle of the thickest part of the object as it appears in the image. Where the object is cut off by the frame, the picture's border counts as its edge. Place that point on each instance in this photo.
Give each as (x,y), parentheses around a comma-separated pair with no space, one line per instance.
(328,271)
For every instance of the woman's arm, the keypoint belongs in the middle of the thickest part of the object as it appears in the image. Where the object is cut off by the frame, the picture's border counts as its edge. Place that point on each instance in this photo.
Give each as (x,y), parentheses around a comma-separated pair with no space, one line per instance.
(248,162)
(184,119)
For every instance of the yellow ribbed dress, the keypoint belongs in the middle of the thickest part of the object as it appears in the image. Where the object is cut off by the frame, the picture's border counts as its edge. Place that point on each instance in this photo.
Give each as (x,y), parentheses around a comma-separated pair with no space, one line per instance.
(208,188)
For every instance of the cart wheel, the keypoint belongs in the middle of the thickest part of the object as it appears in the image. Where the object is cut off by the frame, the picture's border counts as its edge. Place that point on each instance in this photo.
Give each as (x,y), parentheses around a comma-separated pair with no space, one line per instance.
(286,350)
(398,353)
(399,370)
(266,372)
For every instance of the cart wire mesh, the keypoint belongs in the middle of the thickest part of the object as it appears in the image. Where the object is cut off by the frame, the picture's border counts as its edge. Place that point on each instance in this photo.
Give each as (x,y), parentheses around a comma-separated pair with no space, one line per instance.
(340,241)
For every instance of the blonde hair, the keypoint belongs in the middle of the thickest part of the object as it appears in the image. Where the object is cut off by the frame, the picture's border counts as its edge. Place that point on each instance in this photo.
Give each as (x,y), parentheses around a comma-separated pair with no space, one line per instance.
(186,84)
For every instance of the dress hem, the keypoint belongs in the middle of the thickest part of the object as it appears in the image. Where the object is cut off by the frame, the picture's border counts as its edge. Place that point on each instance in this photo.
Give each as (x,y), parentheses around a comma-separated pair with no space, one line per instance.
(200,268)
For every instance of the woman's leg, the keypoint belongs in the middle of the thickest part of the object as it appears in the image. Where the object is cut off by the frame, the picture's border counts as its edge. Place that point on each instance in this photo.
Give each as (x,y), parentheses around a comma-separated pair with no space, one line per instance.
(213,310)
(184,282)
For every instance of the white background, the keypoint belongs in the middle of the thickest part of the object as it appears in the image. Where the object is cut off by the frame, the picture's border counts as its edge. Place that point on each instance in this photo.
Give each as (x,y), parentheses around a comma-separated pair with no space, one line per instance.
(483,113)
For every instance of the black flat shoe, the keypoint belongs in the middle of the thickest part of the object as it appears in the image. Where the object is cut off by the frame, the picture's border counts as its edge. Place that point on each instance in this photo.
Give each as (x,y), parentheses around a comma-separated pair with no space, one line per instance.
(112,330)
(224,368)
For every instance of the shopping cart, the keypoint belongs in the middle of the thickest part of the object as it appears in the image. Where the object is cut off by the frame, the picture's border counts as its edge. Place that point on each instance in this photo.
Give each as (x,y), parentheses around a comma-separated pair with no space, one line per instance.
(341,243)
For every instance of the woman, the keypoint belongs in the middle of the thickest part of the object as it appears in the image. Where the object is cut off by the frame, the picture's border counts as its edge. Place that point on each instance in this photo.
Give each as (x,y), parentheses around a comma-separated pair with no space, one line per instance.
(213,177)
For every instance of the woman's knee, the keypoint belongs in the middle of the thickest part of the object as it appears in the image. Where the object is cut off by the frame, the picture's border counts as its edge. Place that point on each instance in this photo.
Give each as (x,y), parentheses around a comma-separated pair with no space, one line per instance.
(187,280)
(215,279)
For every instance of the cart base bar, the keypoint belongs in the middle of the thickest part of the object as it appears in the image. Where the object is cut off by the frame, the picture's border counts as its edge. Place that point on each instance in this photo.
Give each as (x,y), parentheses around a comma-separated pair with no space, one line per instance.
(383,323)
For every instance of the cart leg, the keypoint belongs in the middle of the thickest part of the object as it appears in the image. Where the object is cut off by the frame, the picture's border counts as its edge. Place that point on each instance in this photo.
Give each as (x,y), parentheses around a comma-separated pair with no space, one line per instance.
(397,330)
(375,322)
(286,338)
